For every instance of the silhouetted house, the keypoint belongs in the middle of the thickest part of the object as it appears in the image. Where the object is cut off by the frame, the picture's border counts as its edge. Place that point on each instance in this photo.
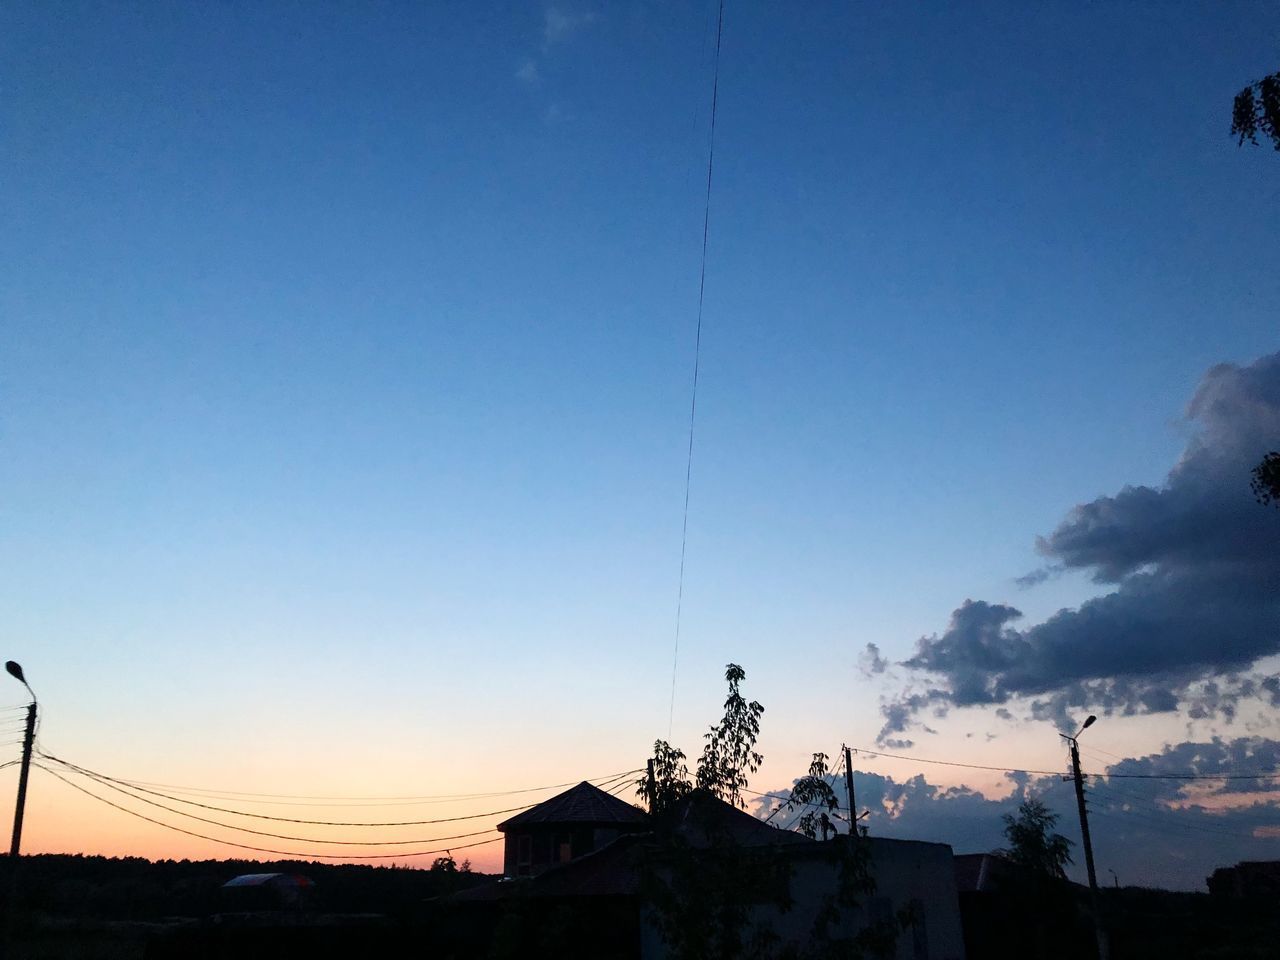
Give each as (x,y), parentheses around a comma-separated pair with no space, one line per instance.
(1246,880)
(1009,913)
(266,891)
(602,904)
(568,826)
(982,872)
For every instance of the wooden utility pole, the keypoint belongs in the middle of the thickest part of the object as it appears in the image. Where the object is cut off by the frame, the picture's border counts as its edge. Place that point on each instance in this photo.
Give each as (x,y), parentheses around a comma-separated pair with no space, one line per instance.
(848,786)
(1103,951)
(28,741)
(11,901)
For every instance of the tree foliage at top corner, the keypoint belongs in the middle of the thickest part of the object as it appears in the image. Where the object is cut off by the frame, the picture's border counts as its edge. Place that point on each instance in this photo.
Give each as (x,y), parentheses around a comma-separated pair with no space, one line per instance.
(1266,479)
(1257,110)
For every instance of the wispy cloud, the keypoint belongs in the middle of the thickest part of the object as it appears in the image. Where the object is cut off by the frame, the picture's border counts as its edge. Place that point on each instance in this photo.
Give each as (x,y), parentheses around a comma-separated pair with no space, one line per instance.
(559,24)
(527,72)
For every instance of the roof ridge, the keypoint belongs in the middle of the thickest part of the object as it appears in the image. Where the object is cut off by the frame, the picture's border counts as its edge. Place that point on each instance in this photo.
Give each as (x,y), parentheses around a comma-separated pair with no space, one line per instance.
(585,803)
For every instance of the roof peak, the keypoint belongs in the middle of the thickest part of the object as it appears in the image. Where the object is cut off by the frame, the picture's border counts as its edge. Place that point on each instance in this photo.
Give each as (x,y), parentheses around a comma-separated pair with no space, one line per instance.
(586,804)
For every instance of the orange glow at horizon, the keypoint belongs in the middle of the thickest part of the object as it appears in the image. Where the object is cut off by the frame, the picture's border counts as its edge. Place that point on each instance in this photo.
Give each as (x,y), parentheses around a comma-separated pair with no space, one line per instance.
(62,819)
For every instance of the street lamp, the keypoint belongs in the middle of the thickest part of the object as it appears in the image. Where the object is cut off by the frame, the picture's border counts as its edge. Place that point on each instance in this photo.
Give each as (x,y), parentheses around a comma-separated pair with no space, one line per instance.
(1084,834)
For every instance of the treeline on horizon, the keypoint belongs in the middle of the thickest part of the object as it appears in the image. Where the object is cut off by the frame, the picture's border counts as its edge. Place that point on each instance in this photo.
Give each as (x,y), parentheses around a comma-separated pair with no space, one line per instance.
(79,886)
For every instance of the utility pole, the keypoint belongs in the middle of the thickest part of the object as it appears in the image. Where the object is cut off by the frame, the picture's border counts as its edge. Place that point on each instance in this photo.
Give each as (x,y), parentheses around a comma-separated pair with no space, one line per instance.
(848,786)
(27,742)
(1103,951)
(653,786)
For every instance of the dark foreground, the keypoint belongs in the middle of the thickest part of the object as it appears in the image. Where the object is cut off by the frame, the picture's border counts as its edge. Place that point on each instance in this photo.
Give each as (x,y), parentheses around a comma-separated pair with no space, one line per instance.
(99,909)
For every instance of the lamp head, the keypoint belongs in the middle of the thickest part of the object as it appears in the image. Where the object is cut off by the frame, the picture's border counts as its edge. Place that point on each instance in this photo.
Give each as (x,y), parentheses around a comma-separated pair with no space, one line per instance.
(15,670)
(1089,722)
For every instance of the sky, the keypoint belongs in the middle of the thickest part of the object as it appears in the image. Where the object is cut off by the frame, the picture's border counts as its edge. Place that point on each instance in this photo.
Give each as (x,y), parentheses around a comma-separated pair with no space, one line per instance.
(345,395)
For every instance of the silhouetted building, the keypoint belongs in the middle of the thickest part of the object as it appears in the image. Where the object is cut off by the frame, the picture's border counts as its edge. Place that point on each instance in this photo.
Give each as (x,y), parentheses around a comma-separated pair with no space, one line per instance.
(267,891)
(983,872)
(1011,913)
(568,826)
(1247,879)
(601,904)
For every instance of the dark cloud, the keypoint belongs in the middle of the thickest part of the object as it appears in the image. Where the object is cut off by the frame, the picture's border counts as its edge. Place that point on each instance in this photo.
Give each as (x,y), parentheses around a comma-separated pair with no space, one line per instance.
(1151,832)
(871,663)
(1270,687)
(900,712)
(1195,571)
(1037,577)
(1236,759)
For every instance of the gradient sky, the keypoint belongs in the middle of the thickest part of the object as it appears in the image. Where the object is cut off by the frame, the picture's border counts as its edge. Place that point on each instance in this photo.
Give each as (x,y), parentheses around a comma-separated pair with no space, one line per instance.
(344,386)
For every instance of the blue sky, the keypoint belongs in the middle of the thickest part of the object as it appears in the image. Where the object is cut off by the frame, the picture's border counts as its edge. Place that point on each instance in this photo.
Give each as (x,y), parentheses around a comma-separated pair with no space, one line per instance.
(348,351)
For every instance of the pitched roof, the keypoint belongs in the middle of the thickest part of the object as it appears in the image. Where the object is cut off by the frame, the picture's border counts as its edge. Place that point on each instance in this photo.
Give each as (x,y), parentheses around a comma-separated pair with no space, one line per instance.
(585,803)
(701,818)
(269,879)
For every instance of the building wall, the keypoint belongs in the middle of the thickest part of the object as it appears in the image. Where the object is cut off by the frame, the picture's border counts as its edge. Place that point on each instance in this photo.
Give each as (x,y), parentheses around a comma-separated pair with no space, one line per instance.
(907,873)
(546,845)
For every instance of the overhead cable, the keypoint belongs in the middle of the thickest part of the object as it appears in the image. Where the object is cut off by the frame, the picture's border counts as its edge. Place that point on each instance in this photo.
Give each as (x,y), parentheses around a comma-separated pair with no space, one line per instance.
(284,799)
(1054,773)
(697,359)
(264,816)
(282,836)
(244,846)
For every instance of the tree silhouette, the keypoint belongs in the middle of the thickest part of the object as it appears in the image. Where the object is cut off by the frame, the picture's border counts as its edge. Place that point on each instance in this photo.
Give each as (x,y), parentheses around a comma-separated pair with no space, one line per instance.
(728,755)
(730,751)
(670,778)
(813,794)
(1031,845)
(1257,109)
(1266,479)
(704,896)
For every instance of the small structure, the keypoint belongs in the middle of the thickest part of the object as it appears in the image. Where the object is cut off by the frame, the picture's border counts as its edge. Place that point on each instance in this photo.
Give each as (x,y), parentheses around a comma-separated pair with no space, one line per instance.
(568,826)
(267,891)
(983,873)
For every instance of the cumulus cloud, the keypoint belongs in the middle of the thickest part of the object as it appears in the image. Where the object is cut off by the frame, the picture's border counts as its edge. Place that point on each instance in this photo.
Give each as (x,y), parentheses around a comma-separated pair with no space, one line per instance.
(1194,575)
(1170,833)
(1237,760)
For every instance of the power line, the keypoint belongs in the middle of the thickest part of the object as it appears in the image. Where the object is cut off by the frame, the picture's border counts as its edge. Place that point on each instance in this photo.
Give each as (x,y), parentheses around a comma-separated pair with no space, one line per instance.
(616,789)
(245,846)
(1152,803)
(264,816)
(285,799)
(279,836)
(697,359)
(828,778)
(1054,773)
(1168,818)
(953,763)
